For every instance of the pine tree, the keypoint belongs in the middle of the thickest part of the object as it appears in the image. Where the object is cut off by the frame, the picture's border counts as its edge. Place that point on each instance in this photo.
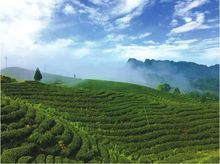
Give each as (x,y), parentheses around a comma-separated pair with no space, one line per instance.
(37,75)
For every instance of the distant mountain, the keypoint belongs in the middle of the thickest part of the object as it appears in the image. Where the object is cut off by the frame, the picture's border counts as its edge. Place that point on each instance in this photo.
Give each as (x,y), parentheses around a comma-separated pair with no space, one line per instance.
(185,75)
(26,74)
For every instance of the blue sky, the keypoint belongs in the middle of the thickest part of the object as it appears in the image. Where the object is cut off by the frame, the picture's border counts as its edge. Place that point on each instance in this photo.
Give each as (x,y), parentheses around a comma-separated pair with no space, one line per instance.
(60,33)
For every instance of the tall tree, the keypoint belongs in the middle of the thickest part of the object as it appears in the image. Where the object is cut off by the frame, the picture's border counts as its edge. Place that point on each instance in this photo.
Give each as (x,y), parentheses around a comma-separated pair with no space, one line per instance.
(37,75)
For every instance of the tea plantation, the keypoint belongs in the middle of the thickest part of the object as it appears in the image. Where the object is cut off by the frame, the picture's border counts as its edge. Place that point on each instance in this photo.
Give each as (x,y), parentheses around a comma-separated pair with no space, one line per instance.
(47,123)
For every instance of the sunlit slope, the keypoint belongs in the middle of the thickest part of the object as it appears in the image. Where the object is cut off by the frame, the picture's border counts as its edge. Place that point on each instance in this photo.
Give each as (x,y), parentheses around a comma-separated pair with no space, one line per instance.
(32,134)
(112,86)
(26,74)
(133,127)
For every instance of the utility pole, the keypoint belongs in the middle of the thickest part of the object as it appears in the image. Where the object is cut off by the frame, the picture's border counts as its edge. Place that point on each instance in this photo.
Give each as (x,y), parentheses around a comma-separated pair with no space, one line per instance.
(6,62)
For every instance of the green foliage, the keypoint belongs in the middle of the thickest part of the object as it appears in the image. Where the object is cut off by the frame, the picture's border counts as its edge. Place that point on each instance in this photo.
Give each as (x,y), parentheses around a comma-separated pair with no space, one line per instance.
(104,153)
(49,159)
(46,125)
(37,75)
(13,116)
(194,94)
(12,155)
(207,96)
(15,135)
(46,139)
(176,91)
(5,79)
(66,136)
(58,159)
(99,126)
(41,158)
(164,87)
(73,147)
(210,85)
(25,159)
(85,154)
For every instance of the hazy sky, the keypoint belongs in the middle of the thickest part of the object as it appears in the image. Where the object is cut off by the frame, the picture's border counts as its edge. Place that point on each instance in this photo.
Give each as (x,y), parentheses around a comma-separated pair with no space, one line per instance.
(62,33)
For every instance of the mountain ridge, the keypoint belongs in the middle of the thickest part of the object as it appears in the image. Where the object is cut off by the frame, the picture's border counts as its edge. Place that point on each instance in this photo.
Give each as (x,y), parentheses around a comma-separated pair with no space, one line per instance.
(178,74)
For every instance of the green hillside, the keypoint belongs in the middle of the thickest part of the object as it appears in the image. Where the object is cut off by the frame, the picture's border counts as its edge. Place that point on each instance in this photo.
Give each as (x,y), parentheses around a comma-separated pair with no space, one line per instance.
(26,74)
(106,124)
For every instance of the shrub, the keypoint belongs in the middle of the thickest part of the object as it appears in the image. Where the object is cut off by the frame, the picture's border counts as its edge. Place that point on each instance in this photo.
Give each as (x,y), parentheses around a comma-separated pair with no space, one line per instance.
(46,125)
(5,79)
(15,135)
(58,129)
(49,159)
(85,154)
(73,147)
(176,91)
(25,159)
(46,139)
(34,136)
(39,118)
(8,109)
(41,158)
(13,116)
(52,150)
(123,159)
(104,154)
(12,155)
(58,159)
(164,87)
(66,136)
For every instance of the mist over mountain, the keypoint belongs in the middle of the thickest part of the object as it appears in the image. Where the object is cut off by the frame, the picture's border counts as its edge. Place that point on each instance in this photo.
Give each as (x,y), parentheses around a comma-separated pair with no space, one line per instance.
(185,75)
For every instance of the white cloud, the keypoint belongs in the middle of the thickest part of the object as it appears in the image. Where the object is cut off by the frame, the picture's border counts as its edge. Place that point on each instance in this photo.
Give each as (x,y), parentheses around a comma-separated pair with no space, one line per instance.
(121,37)
(115,38)
(69,10)
(165,1)
(174,23)
(21,22)
(193,20)
(113,14)
(141,36)
(204,51)
(187,19)
(191,25)
(127,6)
(150,42)
(100,2)
(183,8)
(129,9)
(97,2)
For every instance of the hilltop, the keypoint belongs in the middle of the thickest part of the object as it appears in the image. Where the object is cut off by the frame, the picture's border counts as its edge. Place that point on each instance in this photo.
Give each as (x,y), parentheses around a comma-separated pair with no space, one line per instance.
(26,74)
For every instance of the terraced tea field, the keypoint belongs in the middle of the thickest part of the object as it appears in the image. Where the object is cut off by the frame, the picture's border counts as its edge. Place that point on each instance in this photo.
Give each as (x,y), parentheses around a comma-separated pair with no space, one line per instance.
(80,125)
